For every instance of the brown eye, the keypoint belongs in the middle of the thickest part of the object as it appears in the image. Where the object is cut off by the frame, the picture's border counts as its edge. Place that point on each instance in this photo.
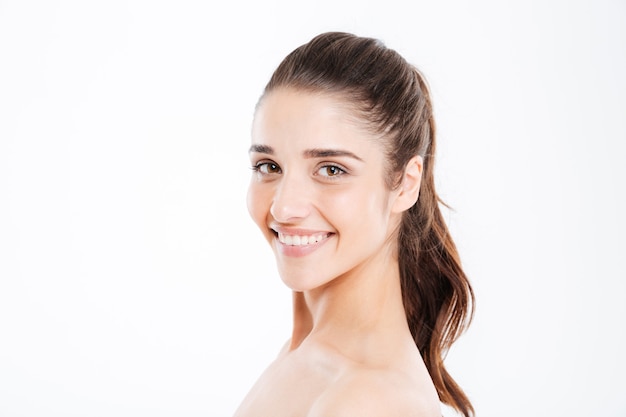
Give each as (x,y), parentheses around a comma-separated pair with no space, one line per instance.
(267,168)
(331,171)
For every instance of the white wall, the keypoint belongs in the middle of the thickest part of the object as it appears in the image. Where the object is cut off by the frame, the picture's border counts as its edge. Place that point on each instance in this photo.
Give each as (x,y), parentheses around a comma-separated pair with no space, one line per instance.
(132,282)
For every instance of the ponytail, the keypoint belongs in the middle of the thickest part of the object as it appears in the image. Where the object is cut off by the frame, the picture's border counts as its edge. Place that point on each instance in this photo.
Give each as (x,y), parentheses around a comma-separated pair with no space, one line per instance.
(438,298)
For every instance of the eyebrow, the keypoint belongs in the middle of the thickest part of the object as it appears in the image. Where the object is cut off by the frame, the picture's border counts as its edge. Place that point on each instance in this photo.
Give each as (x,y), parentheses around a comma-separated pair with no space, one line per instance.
(261,149)
(309,153)
(323,153)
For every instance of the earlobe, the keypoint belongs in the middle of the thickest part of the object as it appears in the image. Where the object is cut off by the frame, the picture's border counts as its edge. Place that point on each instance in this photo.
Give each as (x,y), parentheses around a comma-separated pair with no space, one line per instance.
(410,186)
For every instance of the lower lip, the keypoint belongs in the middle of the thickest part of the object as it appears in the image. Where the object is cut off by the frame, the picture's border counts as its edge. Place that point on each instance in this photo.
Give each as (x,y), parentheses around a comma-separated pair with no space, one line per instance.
(301,250)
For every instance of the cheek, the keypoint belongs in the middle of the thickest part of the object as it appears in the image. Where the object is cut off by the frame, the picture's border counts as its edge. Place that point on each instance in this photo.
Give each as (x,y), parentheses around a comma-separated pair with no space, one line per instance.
(256,201)
(361,210)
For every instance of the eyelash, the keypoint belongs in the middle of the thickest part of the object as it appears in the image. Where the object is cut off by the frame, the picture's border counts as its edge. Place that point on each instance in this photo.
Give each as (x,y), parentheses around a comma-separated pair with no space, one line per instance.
(341,170)
(259,166)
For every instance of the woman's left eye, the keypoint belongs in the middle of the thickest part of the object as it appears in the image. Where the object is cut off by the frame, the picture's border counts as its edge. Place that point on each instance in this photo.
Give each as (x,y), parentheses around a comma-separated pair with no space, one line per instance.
(331,171)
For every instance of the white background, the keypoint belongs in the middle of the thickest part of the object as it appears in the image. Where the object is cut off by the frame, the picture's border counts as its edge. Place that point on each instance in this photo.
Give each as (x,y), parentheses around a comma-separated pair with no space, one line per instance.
(132,281)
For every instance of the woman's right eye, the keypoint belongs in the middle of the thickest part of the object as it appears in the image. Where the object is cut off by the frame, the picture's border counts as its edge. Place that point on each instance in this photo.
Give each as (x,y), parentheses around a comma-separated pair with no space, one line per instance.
(266,168)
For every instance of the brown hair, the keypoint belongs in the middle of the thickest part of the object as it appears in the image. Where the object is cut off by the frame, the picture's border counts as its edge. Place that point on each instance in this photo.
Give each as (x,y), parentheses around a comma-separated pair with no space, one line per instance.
(393,97)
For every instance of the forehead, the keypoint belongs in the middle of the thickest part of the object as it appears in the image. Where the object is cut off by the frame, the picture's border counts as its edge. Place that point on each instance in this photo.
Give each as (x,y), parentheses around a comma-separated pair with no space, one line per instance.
(288,113)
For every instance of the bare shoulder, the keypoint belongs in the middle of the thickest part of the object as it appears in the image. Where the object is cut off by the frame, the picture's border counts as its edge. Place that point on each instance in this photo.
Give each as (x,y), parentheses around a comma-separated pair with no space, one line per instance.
(377,393)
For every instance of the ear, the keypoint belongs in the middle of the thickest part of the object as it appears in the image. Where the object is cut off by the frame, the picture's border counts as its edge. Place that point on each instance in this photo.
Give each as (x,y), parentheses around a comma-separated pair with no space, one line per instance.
(409,189)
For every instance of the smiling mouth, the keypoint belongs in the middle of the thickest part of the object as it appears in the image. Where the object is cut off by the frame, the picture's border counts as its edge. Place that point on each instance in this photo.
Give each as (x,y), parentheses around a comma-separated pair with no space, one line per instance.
(302,240)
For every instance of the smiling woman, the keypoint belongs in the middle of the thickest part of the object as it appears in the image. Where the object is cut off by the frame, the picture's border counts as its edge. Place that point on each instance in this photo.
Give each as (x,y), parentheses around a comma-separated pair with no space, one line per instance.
(343,190)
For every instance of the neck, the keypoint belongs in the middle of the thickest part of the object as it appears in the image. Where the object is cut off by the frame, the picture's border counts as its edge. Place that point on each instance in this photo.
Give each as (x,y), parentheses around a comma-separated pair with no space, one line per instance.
(358,309)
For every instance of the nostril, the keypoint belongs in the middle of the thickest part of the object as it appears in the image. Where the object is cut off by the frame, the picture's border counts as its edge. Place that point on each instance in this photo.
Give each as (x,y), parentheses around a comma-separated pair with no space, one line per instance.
(288,210)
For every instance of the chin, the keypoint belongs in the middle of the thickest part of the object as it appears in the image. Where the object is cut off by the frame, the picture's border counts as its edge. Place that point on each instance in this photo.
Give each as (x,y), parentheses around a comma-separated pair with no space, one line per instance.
(301,281)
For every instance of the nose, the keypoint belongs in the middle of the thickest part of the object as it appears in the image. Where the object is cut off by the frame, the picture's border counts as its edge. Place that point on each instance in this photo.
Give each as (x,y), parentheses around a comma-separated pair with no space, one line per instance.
(291,200)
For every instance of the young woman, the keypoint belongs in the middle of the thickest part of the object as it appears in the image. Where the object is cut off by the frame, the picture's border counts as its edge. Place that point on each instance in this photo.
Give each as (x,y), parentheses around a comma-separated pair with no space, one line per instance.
(342,151)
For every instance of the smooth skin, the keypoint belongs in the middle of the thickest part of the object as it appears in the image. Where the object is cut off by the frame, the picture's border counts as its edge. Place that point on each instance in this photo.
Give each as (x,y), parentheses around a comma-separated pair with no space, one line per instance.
(319,196)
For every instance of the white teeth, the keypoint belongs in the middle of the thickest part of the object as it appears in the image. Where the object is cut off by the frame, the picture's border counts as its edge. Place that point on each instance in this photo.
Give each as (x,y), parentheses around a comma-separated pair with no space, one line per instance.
(297,240)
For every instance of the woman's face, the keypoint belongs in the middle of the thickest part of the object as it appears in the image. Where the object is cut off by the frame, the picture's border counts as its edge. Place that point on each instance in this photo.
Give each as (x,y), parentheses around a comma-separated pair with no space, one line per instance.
(318,189)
